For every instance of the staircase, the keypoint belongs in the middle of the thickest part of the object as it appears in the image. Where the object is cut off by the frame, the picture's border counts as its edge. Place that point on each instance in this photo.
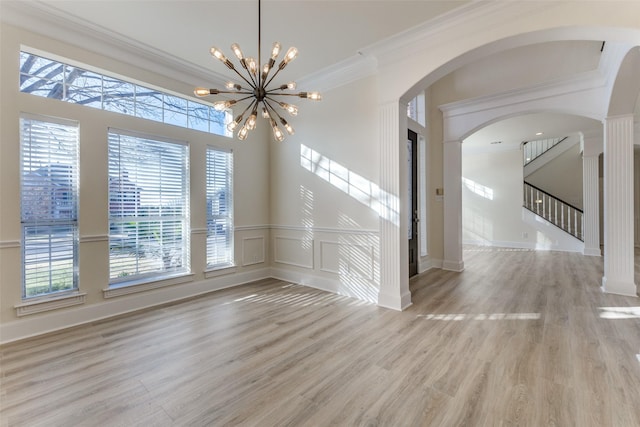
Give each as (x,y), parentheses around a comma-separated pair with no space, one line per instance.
(531,150)
(552,209)
(561,214)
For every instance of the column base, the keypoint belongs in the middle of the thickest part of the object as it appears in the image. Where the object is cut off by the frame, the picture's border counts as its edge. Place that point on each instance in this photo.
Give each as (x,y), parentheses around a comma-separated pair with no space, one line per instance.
(394,302)
(619,287)
(453,265)
(592,252)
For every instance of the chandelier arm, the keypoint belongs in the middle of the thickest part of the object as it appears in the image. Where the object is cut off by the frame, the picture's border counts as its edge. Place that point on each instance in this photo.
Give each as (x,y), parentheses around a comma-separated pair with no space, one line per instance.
(272,77)
(282,94)
(247,109)
(235,92)
(268,106)
(251,83)
(273,109)
(246,97)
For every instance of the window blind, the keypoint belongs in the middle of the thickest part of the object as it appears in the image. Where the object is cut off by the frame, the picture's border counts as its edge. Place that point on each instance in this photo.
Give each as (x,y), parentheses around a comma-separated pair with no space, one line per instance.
(49,205)
(148,207)
(219,208)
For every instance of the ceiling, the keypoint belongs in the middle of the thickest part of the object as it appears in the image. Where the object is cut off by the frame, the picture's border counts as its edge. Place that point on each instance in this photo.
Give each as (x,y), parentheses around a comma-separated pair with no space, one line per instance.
(326,32)
(508,134)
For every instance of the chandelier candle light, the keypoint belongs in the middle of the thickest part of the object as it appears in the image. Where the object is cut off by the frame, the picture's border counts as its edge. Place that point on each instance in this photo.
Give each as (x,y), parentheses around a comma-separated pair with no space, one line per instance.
(261,96)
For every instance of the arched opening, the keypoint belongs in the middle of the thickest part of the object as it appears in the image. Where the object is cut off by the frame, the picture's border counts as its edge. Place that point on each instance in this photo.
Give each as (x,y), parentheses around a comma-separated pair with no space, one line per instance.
(464,53)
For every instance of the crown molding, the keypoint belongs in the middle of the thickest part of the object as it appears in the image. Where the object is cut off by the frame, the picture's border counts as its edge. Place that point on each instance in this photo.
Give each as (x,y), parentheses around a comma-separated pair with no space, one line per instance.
(44,19)
(419,37)
(341,73)
(585,81)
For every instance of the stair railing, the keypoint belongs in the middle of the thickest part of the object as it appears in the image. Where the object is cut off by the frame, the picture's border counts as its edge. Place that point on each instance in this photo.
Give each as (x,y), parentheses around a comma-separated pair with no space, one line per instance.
(531,150)
(559,213)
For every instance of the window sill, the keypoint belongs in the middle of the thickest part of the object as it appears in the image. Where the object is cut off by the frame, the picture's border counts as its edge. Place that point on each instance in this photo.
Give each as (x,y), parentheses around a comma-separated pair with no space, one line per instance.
(126,288)
(219,271)
(49,303)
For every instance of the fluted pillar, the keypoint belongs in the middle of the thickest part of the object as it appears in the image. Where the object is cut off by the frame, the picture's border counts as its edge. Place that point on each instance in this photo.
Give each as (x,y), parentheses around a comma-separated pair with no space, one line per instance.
(452,157)
(394,253)
(591,204)
(618,206)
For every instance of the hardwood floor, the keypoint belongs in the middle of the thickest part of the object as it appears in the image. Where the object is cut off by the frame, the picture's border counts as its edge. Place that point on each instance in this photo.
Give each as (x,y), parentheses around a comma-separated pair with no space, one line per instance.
(519,338)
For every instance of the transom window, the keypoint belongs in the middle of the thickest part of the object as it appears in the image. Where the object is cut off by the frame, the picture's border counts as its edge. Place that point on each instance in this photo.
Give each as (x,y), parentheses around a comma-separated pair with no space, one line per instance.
(49,205)
(54,79)
(148,207)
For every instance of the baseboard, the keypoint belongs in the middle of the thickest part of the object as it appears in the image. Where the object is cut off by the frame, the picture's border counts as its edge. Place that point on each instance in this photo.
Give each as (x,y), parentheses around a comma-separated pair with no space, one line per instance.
(336,286)
(619,287)
(79,315)
(429,264)
(457,266)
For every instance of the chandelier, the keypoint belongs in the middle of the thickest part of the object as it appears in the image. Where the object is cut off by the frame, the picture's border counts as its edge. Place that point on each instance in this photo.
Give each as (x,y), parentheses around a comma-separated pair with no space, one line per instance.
(262,96)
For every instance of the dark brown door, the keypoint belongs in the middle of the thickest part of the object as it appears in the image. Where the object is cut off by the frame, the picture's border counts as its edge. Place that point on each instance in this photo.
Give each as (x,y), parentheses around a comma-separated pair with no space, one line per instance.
(412,170)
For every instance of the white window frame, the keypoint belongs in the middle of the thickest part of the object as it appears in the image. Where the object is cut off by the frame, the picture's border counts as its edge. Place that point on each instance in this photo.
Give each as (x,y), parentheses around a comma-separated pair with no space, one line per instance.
(45,174)
(220,227)
(140,229)
(166,107)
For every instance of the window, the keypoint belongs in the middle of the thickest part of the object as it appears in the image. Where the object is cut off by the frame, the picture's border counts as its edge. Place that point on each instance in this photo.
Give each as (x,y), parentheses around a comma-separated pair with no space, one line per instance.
(219,208)
(49,205)
(148,207)
(416,109)
(53,79)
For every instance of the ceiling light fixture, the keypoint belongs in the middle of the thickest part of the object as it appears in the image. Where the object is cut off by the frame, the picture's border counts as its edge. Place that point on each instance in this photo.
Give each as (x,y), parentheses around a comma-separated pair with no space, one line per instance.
(258,92)
(539,133)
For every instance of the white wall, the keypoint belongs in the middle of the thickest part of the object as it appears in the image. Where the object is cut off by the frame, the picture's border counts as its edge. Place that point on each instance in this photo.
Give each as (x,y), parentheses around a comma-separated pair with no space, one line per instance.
(251,200)
(562,177)
(492,212)
(325,198)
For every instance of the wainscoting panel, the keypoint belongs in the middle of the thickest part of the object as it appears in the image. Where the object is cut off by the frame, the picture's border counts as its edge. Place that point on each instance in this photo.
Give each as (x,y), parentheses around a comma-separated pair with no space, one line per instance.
(293,251)
(347,259)
(253,250)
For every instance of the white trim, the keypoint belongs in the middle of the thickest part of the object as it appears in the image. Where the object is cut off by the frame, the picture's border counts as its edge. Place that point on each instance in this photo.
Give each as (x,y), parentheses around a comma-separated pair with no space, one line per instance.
(7,244)
(457,266)
(280,261)
(252,227)
(405,42)
(264,251)
(40,305)
(341,73)
(429,264)
(322,283)
(119,290)
(325,230)
(366,248)
(94,238)
(58,320)
(220,271)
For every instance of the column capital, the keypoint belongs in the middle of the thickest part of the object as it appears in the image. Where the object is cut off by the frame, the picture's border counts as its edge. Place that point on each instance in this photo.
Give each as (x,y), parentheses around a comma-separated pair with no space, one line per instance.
(592,142)
(618,117)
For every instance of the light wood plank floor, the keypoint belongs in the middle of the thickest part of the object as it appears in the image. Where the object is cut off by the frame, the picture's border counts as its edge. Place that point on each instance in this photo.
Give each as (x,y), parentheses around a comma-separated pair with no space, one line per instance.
(519,338)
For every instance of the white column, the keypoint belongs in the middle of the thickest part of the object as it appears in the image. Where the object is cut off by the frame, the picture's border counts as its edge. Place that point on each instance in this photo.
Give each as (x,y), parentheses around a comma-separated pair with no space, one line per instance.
(394,252)
(452,158)
(636,198)
(591,205)
(618,206)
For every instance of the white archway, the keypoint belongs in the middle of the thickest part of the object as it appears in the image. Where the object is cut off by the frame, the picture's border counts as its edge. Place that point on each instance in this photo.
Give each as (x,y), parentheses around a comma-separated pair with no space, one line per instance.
(415,60)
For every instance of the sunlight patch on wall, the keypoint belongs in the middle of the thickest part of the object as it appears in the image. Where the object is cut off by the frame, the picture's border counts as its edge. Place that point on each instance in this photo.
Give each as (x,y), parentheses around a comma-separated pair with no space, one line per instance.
(479,189)
(361,189)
